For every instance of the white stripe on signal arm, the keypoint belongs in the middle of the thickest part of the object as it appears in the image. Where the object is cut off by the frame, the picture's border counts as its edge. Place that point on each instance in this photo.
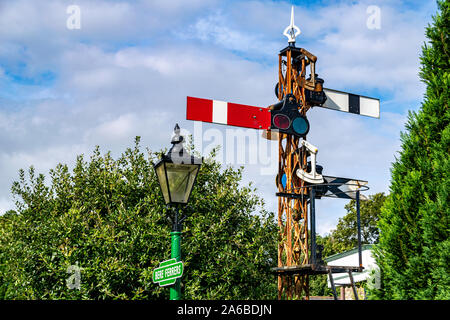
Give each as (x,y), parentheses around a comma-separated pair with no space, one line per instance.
(336,100)
(369,107)
(220,112)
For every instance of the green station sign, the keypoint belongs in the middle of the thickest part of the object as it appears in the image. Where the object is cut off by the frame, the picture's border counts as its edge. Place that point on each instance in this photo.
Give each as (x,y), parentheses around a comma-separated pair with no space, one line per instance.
(168,272)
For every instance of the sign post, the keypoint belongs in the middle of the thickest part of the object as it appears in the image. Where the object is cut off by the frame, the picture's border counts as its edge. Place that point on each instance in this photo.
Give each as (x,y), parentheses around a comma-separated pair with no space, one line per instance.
(175,291)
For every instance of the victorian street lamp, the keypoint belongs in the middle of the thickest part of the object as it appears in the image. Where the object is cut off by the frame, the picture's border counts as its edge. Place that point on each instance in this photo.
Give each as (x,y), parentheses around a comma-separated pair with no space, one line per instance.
(177,171)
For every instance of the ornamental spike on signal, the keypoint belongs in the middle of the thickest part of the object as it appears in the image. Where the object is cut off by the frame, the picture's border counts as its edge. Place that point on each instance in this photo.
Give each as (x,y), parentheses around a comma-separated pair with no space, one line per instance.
(292,30)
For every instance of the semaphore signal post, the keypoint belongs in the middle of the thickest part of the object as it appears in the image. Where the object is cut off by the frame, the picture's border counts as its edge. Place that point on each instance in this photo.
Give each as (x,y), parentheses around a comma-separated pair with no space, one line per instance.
(299,180)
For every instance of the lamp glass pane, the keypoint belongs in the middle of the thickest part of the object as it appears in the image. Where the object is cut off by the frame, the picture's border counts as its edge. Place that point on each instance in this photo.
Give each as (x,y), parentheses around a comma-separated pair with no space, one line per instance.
(181,180)
(281,121)
(300,125)
(161,173)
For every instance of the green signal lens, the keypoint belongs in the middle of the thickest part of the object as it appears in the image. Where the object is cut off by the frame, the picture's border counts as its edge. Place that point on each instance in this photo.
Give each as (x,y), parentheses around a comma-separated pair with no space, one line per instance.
(300,125)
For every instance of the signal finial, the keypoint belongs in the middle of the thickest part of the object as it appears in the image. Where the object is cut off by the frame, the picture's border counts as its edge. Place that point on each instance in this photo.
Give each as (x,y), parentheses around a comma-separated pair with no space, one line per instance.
(292,30)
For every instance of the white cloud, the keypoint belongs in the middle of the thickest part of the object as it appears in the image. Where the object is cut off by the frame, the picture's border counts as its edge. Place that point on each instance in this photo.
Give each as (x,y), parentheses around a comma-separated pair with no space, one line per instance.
(214,29)
(117,128)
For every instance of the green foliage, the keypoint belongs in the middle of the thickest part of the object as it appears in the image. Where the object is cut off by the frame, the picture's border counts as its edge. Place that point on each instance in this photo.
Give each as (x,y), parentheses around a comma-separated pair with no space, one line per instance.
(109,218)
(414,247)
(345,236)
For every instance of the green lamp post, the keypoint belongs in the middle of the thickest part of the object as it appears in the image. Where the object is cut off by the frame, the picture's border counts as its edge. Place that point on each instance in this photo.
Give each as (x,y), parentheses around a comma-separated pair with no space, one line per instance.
(177,171)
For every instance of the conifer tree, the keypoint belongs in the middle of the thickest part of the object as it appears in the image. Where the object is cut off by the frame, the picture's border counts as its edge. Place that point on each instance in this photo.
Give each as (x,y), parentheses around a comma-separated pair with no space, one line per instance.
(414,246)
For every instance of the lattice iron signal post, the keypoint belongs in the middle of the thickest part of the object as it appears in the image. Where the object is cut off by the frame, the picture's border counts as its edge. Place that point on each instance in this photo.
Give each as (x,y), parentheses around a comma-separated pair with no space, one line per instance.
(293,246)
(297,181)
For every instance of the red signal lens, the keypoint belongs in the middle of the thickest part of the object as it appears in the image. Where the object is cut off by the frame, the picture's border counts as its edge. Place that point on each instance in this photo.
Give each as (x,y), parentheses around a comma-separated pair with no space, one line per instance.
(281,121)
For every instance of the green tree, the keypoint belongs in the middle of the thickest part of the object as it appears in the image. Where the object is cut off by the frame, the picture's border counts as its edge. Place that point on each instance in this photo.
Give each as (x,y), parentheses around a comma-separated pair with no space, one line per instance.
(414,248)
(108,217)
(345,236)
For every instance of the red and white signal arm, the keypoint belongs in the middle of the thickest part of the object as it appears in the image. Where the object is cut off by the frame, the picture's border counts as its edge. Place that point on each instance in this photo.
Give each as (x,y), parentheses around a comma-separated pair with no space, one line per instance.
(227,113)
(245,116)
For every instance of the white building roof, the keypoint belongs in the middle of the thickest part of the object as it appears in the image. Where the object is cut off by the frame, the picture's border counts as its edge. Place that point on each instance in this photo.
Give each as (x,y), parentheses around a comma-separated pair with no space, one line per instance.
(351,258)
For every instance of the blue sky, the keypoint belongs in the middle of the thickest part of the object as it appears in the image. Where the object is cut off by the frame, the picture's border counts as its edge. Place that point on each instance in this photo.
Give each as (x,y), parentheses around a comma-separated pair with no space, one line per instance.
(64,91)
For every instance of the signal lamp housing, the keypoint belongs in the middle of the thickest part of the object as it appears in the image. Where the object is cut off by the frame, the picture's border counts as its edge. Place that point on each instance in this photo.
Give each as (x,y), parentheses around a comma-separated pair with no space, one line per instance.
(287,119)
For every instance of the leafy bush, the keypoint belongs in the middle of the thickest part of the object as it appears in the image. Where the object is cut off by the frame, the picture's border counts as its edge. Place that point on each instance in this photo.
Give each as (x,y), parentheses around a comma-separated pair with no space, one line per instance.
(108,217)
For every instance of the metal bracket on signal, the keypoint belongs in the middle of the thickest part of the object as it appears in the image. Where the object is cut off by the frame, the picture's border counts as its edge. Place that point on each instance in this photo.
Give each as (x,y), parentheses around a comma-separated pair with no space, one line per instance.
(313,176)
